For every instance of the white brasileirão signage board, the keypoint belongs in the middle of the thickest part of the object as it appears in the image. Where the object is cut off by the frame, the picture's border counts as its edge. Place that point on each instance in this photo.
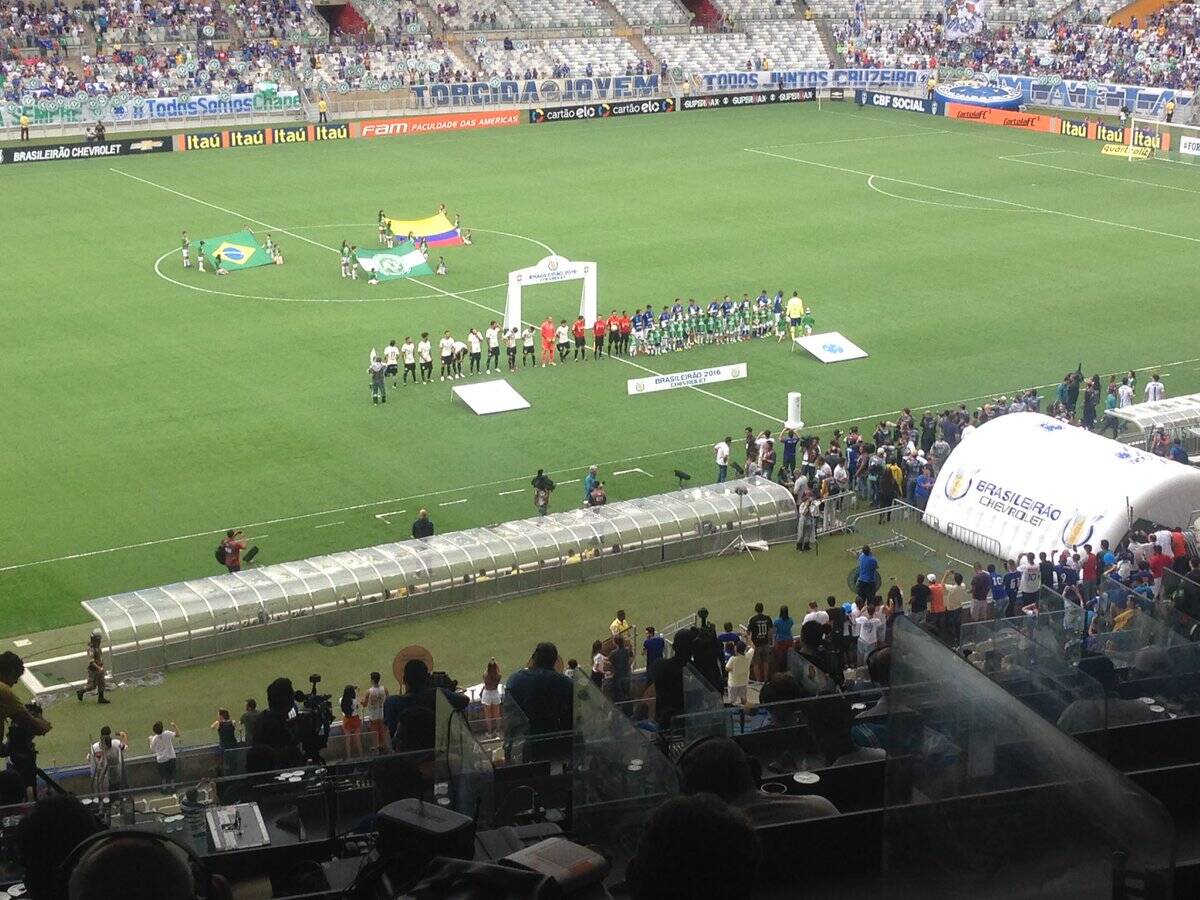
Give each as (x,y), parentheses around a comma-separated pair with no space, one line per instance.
(694,378)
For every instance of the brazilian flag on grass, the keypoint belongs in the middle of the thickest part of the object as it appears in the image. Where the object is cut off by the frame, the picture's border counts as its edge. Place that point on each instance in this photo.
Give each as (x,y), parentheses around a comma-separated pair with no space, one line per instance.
(239,250)
(402,261)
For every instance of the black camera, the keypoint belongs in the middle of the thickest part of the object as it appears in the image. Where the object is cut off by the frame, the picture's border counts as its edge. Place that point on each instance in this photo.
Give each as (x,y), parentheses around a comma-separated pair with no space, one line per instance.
(443,681)
(19,745)
(313,719)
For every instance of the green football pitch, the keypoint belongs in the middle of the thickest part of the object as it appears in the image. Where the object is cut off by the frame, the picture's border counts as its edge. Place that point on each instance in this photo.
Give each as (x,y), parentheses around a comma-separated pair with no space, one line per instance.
(146,408)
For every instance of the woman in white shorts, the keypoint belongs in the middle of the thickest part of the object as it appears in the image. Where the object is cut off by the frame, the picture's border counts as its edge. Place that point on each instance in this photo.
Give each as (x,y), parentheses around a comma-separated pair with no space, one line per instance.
(490,697)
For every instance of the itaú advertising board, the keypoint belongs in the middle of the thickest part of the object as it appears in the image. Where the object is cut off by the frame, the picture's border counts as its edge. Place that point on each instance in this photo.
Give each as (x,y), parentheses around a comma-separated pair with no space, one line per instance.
(1032,483)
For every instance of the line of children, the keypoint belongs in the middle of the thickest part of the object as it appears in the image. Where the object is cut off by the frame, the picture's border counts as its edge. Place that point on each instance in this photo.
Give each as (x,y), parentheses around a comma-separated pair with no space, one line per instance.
(679,327)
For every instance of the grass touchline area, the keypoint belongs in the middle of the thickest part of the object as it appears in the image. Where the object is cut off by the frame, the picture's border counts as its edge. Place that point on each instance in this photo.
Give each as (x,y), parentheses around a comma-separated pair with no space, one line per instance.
(201,410)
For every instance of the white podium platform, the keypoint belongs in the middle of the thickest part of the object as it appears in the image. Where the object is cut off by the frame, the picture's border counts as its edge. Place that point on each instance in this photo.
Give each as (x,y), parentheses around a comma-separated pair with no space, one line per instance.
(831,347)
(487,397)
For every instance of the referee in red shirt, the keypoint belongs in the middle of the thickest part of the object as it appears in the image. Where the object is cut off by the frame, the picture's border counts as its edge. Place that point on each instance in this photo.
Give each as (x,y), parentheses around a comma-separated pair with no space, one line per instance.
(598,330)
(233,550)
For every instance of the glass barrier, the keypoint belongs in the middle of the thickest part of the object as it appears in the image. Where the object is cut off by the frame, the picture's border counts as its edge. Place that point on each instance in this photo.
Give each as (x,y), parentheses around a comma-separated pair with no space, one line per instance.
(463,774)
(1035,659)
(705,713)
(980,791)
(516,730)
(618,775)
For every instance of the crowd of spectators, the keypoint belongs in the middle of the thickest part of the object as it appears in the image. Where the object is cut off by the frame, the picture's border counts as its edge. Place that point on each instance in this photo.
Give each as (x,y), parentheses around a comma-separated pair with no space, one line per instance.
(558,58)
(1160,51)
(40,27)
(151,22)
(417,62)
(899,460)
(160,72)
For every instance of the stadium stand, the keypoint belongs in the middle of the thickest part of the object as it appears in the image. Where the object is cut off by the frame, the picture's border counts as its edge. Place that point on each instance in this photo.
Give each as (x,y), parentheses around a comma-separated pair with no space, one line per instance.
(560,13)
(653,12)
(390,18)
(559,58)
(739,11)
(159,72)
(1161,53)
(55,78)
(763,45)
(416,64)
(288,20)
(46,28)
(118,22)
(477,15)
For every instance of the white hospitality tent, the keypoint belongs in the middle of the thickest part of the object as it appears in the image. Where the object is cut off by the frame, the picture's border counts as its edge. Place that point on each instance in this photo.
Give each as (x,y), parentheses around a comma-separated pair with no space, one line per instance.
(1026,482)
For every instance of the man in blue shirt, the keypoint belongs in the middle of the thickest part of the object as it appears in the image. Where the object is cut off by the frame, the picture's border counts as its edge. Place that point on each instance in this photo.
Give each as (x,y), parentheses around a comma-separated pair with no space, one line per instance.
(714,307)
(664,317)
(726,306)
(546,699)
(1012,583)
(868,574)
(727,639)
(653,647)
(590,481)
(790,442)
(923,487)
(693,309)
(677,309)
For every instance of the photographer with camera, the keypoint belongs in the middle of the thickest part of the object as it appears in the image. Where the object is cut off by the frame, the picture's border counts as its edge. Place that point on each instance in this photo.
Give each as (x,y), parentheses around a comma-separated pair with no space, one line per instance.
(543,486)
(409,717)
(19,722)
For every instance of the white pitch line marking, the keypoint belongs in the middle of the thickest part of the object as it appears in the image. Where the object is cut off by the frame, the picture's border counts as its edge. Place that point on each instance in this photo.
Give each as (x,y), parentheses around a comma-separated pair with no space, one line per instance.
(1032,153)
(328,525)
(873,186)
(570,481)
(383,515)
(506,493)
(878,137)
(1025,162)
(23,642)
(423,284)
(942,190)
(942,404)
(230,212)
(630,471)
(453,502)
(619,359)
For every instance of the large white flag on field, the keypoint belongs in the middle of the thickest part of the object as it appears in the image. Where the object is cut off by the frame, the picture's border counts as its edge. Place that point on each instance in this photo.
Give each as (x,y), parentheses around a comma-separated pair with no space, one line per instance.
(399,262)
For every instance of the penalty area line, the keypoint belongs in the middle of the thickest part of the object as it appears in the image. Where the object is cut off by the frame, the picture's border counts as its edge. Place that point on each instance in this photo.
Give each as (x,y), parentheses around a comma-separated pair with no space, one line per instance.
(942,190)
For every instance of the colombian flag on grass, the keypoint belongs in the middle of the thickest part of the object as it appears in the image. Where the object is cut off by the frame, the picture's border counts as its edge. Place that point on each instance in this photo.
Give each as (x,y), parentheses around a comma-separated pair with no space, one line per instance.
(438,231)
(239,250)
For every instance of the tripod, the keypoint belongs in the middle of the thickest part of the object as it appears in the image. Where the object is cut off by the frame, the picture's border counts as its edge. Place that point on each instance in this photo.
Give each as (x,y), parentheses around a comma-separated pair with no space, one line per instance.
(738,544)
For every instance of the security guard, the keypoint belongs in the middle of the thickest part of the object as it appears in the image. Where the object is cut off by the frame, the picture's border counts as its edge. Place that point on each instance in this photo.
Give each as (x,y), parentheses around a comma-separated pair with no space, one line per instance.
(25,127)
(322,108)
